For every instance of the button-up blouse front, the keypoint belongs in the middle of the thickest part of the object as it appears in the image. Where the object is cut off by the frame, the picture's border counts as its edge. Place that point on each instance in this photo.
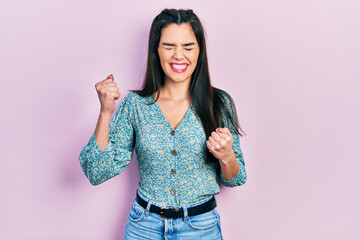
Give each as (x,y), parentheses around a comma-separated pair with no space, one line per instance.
(171,162)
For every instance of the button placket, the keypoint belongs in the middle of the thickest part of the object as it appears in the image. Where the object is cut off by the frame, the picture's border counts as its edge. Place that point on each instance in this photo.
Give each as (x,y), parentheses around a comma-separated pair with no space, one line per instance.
(173,164)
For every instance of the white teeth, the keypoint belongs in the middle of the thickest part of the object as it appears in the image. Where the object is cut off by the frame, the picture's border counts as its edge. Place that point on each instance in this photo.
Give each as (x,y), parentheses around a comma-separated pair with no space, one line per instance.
(179,67)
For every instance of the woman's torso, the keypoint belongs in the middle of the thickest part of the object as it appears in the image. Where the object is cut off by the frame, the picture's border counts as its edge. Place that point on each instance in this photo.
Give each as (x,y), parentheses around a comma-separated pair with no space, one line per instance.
(171,161)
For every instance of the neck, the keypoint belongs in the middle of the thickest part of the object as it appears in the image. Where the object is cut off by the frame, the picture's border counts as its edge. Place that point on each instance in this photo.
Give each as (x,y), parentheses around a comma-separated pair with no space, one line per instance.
(175,90)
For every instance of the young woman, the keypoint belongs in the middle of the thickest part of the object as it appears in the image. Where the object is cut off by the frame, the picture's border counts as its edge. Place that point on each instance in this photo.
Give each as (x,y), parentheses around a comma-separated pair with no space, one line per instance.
(185,133)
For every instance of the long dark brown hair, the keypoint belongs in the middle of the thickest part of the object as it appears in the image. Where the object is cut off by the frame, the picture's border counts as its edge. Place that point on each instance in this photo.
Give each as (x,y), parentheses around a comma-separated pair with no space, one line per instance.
(209,102)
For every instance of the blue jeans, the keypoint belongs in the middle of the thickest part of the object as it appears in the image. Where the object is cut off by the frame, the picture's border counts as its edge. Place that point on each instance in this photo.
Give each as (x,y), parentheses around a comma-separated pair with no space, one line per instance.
(142,224)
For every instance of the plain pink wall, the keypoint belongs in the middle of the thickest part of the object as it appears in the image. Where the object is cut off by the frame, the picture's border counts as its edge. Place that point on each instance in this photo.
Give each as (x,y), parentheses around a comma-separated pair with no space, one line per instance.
(291,66)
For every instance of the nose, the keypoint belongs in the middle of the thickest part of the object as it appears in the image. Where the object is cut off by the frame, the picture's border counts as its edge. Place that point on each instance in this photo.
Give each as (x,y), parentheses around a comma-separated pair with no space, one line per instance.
(178,54)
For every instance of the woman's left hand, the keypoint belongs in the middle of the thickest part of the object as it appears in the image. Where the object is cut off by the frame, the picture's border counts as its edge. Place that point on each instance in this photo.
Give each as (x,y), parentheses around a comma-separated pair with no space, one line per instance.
(220,144)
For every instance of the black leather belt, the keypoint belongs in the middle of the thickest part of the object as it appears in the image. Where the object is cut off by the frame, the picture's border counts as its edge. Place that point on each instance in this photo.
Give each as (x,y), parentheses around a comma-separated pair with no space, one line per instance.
(172,212)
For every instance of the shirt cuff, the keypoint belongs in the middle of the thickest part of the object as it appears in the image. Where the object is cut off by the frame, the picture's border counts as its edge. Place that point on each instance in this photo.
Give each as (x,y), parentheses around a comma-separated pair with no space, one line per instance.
(231,182)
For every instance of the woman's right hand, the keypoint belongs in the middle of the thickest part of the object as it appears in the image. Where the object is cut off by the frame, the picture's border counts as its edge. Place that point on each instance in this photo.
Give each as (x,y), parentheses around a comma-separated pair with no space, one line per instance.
(107,92)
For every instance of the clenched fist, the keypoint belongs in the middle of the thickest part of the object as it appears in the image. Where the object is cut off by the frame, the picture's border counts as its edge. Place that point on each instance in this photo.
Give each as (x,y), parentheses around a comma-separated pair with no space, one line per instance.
(107,92)
(220,144)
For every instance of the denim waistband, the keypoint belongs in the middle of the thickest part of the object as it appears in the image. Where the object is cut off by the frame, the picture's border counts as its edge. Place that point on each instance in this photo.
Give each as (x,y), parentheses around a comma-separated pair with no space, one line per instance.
(190,205)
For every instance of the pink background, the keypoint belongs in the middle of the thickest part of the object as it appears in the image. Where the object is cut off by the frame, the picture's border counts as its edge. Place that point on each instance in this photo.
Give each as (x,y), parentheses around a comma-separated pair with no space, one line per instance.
(292,68)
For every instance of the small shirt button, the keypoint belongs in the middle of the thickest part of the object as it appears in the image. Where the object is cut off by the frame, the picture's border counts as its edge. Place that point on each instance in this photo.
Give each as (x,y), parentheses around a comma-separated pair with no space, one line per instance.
(172,133)
(173,171)
(173,152)
(172,191)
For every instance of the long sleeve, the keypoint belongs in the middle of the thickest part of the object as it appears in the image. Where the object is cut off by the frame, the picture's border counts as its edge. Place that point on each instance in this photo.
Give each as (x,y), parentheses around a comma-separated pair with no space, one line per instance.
(241,177)
(99,165)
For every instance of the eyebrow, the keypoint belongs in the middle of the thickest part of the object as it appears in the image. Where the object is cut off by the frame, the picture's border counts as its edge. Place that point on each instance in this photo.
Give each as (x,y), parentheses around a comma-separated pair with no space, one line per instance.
(173,45)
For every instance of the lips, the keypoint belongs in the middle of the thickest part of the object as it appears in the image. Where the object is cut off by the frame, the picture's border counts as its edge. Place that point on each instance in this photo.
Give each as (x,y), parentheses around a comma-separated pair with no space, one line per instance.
(179,67)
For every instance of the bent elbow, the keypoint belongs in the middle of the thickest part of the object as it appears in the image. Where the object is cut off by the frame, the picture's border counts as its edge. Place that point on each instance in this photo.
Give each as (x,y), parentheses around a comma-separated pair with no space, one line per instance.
(94,179)
(94,182)
(243,179)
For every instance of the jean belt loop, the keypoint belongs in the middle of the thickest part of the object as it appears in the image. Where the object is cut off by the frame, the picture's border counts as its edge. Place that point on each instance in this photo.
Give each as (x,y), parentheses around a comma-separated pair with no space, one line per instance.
(147,211)
(185,213)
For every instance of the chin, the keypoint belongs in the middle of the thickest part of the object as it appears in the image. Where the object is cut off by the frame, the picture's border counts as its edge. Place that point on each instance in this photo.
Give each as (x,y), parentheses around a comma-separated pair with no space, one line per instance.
(179,79)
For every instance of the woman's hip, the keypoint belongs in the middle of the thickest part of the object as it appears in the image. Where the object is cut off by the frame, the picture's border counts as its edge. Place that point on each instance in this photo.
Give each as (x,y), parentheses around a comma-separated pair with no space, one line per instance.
(143,224)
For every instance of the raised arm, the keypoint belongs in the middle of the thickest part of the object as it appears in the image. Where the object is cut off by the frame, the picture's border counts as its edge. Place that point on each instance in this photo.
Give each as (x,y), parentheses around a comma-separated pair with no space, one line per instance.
(108,92)
(224,144)
(110,148)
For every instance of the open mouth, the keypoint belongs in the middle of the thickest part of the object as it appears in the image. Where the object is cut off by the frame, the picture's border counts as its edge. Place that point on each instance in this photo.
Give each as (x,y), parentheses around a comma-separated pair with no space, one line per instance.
(179,67)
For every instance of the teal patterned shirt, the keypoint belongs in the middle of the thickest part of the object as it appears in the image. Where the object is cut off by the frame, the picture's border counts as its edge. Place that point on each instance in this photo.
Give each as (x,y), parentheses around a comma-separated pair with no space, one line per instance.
(171,161)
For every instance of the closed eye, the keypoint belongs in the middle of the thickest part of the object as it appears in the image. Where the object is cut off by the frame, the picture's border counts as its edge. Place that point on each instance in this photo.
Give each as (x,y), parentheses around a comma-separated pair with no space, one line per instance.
(188,49)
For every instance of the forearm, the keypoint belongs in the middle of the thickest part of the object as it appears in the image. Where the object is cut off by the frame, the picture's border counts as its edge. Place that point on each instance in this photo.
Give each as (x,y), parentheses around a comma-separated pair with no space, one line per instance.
(229,167)
(102,130)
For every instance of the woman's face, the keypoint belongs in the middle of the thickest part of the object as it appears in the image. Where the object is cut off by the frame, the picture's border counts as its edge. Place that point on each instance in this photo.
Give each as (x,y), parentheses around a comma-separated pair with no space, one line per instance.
(178,51)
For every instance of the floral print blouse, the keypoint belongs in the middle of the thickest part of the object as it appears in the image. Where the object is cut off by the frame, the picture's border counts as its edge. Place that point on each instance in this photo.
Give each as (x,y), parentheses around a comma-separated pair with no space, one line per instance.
(171,161)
